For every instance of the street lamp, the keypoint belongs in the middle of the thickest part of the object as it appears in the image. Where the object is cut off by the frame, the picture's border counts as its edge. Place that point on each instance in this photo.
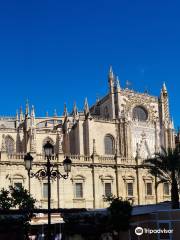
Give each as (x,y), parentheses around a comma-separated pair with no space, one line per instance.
(28,166)
(48,172)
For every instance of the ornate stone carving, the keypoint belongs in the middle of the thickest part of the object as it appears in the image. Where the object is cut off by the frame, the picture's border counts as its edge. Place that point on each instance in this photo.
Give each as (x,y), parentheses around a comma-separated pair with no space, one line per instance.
(3,145)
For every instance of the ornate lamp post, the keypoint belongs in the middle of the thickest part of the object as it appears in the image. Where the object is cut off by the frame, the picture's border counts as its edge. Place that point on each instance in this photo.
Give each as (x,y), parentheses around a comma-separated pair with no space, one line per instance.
(48,172)
(28,166)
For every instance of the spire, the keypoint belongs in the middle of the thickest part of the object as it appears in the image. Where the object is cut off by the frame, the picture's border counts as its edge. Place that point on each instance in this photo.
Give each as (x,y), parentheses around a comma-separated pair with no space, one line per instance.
(65,111)
(32,111)
(21,115)
(75,110)
(164,88)
(27,108)
(17,115)
(17,119)
(171,124)
(118,84)
(86,108)
(32,116)
(55,113)
(111,80)
(111,74)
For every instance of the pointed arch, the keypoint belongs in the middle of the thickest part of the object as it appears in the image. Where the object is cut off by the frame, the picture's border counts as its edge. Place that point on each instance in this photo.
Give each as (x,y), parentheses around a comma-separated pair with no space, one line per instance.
(9,144)
(109,144)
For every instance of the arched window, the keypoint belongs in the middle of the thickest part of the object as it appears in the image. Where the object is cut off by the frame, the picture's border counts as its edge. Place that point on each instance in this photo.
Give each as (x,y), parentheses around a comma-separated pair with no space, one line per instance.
(109,145)
(140,114)
(9,143)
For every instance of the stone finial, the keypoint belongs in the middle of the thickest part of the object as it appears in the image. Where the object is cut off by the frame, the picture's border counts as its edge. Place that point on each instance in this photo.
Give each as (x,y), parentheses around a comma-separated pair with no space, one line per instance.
(118,84)
(32,111)
(111,80)
(55,113)
(111,74)
(21,116)
(164,88)
(65,111)
(75,110)
(27,108)
(32,117)
(171,124)
(17,119)
(86,108)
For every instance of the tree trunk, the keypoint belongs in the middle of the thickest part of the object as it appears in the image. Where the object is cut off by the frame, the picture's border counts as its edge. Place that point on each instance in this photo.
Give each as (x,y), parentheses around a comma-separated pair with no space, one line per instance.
(174,191)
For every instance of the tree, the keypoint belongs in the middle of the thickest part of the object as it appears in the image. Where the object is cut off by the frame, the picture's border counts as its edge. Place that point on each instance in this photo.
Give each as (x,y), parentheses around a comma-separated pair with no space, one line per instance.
(166,167)
(119,214)
(18,198)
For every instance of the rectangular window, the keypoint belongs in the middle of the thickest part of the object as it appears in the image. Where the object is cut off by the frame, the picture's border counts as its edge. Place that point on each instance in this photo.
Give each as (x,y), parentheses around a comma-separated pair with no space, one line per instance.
(18,185)
(166,189)
(107,191)
(45,190)
(149,189)
(130,189)
(78,190)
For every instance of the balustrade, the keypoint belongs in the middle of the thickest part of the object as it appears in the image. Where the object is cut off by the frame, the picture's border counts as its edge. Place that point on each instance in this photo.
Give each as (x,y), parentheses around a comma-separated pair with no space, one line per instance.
(103,159)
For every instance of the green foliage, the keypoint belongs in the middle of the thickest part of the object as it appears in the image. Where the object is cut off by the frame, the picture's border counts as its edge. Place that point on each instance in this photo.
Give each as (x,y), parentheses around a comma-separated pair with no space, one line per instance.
(22,199)
(18,198)
(166,167)
(6,202)
(120,214)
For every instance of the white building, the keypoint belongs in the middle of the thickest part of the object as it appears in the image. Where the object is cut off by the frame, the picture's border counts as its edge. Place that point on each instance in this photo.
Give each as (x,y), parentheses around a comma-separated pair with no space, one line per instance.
(106,143)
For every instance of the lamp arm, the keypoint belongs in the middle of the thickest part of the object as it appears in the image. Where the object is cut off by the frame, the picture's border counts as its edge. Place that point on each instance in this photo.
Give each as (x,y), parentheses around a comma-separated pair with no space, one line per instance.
(41,173)
(56,174)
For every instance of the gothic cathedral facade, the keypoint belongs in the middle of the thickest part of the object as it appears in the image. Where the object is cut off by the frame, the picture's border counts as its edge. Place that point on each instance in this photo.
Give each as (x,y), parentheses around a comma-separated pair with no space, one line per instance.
(106,142)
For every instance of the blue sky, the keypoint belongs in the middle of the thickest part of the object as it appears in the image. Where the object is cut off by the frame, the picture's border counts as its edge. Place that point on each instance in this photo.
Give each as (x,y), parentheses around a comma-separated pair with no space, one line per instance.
(53,52)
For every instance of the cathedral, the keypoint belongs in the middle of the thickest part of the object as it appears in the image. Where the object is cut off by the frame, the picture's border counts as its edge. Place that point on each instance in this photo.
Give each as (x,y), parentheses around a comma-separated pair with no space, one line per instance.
(107,143)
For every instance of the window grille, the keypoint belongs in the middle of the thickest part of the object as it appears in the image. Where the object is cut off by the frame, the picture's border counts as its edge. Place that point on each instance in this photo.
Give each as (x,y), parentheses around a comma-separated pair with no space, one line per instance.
(149,189)
(108,191)
(78,190)
(130,189)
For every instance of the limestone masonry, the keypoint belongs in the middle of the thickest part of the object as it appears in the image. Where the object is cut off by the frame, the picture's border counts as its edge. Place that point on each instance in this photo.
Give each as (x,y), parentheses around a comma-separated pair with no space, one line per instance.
(107,143)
